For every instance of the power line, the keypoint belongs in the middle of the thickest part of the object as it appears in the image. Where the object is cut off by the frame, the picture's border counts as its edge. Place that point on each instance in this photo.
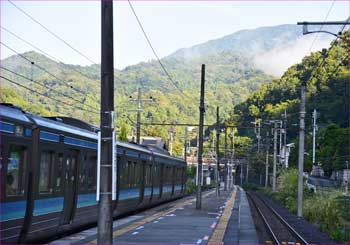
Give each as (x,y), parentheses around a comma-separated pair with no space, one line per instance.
(51,32)
(60,62)
(329,11)
(154,52)
(45,86)
(325,56)
(34,91)
(45,53)
(43,69)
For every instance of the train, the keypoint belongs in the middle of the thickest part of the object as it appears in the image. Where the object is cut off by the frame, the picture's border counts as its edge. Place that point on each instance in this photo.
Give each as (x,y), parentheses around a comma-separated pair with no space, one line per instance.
(49,175)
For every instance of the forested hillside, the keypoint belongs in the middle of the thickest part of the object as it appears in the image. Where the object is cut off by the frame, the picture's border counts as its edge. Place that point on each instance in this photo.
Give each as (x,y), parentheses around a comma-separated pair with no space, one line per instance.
(230,79)
(327,75)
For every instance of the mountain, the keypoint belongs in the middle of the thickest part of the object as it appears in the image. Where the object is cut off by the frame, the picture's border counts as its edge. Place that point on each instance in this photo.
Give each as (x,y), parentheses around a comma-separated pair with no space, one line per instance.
(231,76)
(247,42)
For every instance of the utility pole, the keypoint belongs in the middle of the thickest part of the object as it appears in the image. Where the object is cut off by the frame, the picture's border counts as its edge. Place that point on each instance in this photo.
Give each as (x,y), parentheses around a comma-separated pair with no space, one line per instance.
(105,219)
(226,170)
(267,160)
(285,139)
(139,110)
(185,155)
(301,150)
(274,155)
(258,136)
(232,159)
(138,125)
(217,152)
(171,140)
(280,147)
(200,139)
(314,129)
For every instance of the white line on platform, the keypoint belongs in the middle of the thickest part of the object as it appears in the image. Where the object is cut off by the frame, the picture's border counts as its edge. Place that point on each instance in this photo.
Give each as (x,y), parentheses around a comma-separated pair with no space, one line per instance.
(135,232)
(205,238)
(213,225)
(140,227)
(199,241)
(156,221)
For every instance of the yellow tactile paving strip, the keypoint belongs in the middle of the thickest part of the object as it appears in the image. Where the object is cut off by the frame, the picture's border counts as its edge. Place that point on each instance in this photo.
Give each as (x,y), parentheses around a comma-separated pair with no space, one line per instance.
(138,223)
(217,236)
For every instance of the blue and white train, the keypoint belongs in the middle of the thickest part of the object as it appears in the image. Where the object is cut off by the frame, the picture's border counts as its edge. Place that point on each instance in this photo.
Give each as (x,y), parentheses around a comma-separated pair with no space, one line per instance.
(48,176)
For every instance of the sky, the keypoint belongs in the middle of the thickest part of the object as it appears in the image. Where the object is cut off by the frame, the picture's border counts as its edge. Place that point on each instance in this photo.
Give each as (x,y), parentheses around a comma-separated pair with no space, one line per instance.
(170,25)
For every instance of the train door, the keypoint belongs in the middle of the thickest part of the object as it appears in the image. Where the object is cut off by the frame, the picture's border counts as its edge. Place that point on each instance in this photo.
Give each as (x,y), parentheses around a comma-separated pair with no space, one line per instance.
(70,189)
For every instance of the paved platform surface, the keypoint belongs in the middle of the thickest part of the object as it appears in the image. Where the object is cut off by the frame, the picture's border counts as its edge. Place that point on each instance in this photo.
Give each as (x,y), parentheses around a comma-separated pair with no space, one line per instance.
(222,220)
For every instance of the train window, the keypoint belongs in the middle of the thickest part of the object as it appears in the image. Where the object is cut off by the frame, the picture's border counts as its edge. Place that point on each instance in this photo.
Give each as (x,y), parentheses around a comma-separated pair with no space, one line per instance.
(131,174)
(46,172)
(91,175)
(59,172)
(83,173)
(148,177)
(16,167)
(124,175)
(137,174)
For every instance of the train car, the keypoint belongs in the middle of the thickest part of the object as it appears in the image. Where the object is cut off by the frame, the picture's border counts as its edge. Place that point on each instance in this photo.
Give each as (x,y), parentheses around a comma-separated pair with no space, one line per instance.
(48,174)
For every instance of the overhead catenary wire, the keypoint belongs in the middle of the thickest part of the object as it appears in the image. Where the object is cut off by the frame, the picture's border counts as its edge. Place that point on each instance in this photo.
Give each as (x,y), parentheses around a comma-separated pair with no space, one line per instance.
(51,32)
(45,70)
(39,93)
(321,27)
(314,71)
(44,86)
(45,53)
(154,52)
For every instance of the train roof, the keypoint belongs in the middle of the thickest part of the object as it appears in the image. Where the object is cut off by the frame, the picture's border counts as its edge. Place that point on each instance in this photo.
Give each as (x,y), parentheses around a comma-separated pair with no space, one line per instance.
(13,112)
(56,125)
(72,126)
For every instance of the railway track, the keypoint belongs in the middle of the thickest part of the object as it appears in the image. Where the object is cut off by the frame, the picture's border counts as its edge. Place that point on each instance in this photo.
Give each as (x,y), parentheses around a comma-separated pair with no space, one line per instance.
(280,232)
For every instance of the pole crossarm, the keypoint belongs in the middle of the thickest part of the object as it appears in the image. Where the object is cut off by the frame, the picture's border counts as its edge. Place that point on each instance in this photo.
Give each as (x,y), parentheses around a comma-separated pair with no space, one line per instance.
(305,24)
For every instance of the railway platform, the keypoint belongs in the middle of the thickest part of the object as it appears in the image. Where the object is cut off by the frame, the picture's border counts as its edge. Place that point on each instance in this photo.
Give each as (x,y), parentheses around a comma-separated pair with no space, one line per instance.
(222,220)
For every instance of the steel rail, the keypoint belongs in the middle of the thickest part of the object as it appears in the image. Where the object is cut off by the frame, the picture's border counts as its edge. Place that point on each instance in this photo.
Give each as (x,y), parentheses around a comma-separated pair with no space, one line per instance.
(264,219)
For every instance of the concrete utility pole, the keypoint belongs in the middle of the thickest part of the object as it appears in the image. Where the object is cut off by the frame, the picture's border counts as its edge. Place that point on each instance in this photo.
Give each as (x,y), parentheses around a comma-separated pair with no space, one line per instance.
(285,139)
(105,219)
(267,160)
(185,155)
(280,147)
(226,170)
(138,125)
(314,129)
(301,150)
(259,136)
(217,152)
(139,110)
(171,140)
(200,139)
(274,155)
(232,158)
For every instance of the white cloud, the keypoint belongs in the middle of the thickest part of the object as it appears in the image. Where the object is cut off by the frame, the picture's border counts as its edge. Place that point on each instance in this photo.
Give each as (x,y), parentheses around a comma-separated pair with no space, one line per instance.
(276,61)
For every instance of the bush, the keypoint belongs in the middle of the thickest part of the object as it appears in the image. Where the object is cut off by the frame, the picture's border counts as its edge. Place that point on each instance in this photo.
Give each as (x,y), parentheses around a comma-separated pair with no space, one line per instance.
(329,212)
(190,187)
(250,186)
